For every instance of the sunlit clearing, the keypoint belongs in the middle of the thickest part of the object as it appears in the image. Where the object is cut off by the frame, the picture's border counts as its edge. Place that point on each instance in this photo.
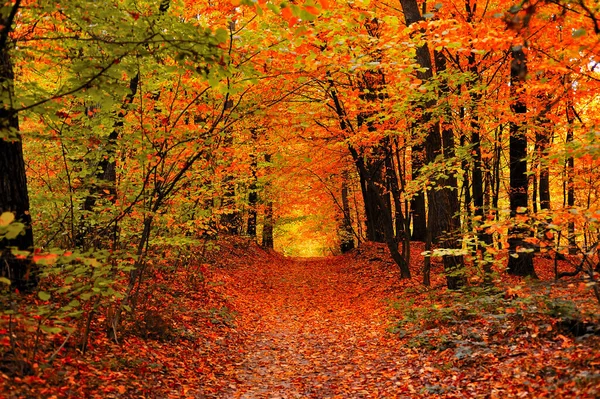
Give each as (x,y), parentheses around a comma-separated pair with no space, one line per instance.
(305,237)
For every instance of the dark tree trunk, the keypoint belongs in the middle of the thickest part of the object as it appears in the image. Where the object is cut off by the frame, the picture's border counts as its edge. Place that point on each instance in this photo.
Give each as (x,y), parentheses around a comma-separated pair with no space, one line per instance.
(267,233)
(374,212)
(418,210)
(466,184)
(412,14)
(347,237)
(13,181)
(443,223)
(231,219)
(542,142)
(390,238)
(570,167)
(373,173)
(449,212)
(395,191)
(496,176)
(253,195)
(478,170)
(433,141)
(371,86)
(520,261)
(104,184)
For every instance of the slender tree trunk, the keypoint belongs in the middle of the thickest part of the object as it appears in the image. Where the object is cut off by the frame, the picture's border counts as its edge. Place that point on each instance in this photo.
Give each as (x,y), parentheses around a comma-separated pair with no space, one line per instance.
(396,197)
(267,232)
(418,210)
(347,236)
(449,212)
(427,260)
(371,84)
(478,170)
(253,194)
(570,166)
(520,261)
(443,222)
(466,185)
(14,197)
(433,140)
(412,14)
(497,161)
(542,142)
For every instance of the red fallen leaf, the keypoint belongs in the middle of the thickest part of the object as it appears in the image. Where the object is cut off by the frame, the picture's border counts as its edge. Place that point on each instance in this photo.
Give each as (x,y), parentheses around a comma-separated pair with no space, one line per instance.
(324,4)
(312,10)
(286,13)
(45,258)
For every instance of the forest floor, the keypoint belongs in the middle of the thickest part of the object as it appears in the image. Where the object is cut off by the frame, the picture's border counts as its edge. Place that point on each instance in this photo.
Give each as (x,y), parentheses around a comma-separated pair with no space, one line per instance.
(258,325)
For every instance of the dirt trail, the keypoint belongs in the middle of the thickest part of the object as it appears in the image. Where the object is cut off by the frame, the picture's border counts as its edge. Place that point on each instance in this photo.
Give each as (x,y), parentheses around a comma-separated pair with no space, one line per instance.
(316,330)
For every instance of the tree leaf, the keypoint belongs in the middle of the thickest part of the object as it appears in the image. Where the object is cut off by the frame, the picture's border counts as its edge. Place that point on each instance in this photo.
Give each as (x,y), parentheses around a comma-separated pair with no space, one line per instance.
(43,295)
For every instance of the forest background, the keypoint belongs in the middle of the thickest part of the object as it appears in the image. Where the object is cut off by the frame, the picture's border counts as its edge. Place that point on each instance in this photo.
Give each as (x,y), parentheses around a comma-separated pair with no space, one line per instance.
(139,133)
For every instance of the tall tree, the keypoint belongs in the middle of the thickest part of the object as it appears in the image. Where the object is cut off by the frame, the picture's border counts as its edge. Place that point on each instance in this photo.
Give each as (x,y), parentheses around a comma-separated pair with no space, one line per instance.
(253,189)
(14,198)
(347,233)
(443,204)
(268,222)
(520,261)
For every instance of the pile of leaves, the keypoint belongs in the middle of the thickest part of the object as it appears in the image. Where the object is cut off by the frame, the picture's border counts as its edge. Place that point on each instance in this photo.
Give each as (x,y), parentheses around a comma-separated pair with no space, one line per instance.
(242,322)
(536,338)
(178,341)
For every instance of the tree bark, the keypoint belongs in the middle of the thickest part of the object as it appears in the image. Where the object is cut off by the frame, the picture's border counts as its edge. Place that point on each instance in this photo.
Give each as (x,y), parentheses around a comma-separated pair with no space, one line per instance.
(433,141)
(443,223)
(478,169)
(267,232)
(449,212)
(570,166)
(14,198)
(347,239)
(253,194)
(520,261)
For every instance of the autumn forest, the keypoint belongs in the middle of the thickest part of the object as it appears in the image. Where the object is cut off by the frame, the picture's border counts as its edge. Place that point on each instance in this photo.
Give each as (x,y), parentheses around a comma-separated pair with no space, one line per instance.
(299,199)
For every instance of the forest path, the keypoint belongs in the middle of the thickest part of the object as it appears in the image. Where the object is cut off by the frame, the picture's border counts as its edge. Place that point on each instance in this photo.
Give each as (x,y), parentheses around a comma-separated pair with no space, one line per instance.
(316,329)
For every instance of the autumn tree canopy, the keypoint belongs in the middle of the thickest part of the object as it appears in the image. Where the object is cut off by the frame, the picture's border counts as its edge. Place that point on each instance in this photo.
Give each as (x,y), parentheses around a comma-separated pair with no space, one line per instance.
(135,129)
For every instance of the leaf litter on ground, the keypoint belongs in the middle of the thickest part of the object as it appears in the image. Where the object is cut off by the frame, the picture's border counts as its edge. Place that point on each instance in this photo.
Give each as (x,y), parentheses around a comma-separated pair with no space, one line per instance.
(259,325)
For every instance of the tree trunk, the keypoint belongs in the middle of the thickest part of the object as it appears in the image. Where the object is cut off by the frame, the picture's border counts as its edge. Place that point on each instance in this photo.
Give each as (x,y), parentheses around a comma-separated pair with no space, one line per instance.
(419,213)
(347,237)
(433,141)
(390,238)
(394,188)
(14,197)
(374,212)
(267,233)
(253,194)
(449,212)
(520,261)
(570,166)
(418,210)
(542,141)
